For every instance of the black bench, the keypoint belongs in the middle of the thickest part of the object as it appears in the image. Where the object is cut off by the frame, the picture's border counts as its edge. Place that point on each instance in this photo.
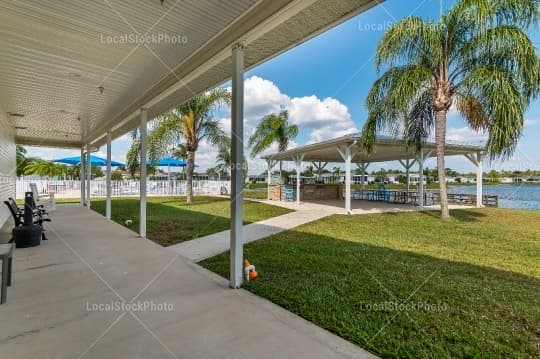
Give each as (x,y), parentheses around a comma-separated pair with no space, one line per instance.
(39,215)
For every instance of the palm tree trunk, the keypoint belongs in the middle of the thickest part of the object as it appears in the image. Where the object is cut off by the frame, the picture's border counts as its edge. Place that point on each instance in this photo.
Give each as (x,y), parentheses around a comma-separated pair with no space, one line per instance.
(189,176)
(280,171)
(440,138)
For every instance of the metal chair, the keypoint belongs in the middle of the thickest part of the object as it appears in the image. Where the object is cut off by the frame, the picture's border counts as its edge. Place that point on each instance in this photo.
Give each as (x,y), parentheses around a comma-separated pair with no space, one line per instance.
(288,194)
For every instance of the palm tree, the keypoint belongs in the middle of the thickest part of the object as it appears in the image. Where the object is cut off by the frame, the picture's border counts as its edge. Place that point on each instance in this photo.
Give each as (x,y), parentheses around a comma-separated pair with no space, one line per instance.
(224,157)
(477,57)
(189,123)
(273,128)
(21,160)
(44,168)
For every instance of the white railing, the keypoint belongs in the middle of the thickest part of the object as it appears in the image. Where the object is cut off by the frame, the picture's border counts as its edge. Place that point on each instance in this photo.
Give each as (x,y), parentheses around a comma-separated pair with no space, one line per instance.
(71,188)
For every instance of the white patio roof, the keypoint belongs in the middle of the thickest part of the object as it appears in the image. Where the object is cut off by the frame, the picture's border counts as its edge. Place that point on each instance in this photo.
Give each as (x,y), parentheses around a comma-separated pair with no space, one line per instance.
(57,55)
(386,149)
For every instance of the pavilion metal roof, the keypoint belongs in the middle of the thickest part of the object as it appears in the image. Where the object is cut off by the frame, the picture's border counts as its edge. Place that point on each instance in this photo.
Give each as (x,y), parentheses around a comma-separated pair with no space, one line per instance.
(386,149)
(66,78)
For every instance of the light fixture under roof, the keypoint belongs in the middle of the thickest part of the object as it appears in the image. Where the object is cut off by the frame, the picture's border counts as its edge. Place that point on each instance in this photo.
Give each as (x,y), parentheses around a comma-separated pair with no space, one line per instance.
(74,74)
(20,128)
(101,89)
(14,114)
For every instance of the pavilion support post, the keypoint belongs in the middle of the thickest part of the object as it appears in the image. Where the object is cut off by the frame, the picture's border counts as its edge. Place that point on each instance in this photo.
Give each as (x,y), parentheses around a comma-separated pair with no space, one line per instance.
(421,191)
(320,167)
(82,176)
(298,162)
(108,177)
(408,165)
(347,155)
(363,167)
(270,164)
(237,154)
(142,182)
(420,161)
(88,175)
(476,159)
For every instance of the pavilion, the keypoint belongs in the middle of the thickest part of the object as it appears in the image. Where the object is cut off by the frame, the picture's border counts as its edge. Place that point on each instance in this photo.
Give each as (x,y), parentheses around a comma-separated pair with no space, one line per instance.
(348,150)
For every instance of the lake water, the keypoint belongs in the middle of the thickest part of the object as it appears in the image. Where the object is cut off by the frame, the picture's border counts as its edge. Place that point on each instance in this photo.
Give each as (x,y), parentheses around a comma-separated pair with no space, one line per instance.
(510,196)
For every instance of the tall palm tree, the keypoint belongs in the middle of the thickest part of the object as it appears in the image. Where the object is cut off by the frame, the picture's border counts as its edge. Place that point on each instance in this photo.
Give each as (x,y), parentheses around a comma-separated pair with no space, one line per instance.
(189,123)
(273,128)
(224,157)
(477,57)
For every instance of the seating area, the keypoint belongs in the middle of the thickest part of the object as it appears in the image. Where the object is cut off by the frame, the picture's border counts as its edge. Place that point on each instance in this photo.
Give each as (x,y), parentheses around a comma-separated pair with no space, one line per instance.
(28,231)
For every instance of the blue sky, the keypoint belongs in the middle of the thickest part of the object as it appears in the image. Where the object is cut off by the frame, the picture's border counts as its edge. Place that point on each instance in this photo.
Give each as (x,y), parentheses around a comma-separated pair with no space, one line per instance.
(324,82)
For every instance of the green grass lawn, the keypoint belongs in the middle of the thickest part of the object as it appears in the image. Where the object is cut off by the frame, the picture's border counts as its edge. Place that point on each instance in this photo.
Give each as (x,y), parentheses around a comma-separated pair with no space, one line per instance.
(470,287)
(170,220)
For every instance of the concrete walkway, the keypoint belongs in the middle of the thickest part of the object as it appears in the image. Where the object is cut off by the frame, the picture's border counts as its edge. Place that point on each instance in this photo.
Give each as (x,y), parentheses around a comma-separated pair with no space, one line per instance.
(67,296)
(208,246)
(205,247)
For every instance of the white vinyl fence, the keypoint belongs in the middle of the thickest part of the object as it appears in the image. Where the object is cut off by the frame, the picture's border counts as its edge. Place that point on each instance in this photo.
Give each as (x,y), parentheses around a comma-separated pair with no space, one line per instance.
(71,188)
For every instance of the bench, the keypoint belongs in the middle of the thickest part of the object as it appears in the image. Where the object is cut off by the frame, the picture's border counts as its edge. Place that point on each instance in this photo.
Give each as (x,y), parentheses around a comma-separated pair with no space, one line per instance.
(48,204)
(39,215)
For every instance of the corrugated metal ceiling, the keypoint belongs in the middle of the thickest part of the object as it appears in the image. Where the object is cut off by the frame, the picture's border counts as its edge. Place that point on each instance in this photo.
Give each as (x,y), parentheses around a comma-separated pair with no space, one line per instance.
(60,68)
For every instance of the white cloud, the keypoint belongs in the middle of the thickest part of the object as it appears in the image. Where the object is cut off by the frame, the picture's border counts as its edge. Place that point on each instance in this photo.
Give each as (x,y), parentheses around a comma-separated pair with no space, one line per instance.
(466,135)
(318,119)
(531,122)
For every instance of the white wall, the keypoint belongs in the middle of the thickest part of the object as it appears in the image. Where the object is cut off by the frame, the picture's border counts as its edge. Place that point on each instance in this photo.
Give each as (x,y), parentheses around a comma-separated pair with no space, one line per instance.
(7,164)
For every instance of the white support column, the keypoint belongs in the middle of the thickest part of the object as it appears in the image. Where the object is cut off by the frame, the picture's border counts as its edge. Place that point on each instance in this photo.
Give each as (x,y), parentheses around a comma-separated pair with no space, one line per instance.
(270,164)
(319,166)
(88,175)
(82,177)
(363,166)
(476,159)
(479,181)
(108,177)
(142,164)
(237,154)
(420,161)
(298,162)
(347,155)
(408,164)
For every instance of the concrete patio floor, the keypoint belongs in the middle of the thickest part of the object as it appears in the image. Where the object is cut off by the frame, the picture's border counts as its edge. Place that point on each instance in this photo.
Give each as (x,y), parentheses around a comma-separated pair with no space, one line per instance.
(54,308)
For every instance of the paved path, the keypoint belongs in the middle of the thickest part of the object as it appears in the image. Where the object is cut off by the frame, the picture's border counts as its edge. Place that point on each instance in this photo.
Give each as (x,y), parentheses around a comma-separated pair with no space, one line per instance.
(208,246)
(59,305)
(205,247)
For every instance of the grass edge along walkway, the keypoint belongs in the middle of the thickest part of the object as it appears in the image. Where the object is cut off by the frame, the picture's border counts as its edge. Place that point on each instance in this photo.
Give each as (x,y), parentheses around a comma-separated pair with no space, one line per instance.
(170,220)
(470,287)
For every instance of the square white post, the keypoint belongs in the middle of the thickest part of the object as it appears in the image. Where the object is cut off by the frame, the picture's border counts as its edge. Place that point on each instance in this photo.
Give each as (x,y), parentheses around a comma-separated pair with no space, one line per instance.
(108,177)
(298,162)
(407,164)
(270,164)
(88,175)
(363,166)
(237,156)
(421,180)
(346,154)
(82,176)
(476,159)
(479,180)
(142,165)
(348,159)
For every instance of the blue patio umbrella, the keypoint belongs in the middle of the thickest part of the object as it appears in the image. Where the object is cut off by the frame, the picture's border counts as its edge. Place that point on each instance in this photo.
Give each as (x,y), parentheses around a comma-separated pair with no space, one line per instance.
(169,162)
(94,161)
